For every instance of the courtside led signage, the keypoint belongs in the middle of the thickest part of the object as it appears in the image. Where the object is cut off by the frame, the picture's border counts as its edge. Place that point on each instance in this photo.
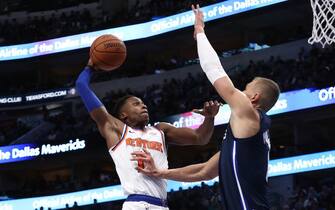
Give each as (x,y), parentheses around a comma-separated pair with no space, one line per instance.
(283,166)
(21,152)
(287,102)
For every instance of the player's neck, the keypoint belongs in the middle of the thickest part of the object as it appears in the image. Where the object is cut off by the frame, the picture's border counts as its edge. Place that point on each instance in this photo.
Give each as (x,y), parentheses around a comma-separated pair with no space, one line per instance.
(139,126)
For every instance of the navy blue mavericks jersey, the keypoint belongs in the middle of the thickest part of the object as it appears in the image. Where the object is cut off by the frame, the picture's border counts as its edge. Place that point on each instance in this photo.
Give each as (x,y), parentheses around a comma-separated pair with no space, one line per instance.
(243,169)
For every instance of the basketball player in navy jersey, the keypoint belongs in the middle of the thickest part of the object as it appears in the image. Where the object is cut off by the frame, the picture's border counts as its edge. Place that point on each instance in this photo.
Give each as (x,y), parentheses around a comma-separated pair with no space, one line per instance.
(126,130)
(242,163)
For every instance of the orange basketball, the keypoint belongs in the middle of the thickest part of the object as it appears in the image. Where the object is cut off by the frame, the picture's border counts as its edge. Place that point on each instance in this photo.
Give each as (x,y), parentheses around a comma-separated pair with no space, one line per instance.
(108,52)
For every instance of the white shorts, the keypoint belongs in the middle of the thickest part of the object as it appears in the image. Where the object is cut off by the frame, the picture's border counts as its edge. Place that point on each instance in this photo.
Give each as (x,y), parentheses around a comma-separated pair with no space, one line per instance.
(141,205)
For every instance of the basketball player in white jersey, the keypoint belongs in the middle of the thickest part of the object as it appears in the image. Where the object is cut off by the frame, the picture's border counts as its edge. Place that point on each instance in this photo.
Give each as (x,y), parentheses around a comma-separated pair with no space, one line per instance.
(126,131)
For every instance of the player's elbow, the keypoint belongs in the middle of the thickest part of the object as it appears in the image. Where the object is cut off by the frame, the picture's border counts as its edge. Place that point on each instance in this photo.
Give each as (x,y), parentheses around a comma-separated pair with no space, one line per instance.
(201,141)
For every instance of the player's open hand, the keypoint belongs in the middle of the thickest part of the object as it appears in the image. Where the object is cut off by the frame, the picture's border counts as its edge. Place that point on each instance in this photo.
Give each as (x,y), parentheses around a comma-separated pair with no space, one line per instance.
(149,167)
(199,24)
(211,108)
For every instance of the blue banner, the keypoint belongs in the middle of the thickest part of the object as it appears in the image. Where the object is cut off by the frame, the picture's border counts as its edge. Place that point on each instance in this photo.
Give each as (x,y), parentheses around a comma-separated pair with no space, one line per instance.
(22,152)
(37,98)
(287,102)
(132,32)
(283,166)
(85,197)
(303,163)
(303,99)
(16,153)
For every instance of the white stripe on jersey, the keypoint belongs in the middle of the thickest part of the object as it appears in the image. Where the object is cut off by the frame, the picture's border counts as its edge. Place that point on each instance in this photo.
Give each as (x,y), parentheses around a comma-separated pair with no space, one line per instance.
(236,177)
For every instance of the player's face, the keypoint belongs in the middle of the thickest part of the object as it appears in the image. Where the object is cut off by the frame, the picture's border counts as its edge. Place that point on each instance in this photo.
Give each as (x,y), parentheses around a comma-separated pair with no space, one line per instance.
(136,111)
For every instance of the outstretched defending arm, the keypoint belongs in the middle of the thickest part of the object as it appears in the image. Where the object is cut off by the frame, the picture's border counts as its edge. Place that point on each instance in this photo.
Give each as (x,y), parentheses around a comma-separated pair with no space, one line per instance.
(191,173)
(109,126)
(211,65)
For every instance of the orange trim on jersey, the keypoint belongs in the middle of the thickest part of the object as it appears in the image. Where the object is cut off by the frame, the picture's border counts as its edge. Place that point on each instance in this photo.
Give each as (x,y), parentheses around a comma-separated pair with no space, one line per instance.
(122,137)
(163,138)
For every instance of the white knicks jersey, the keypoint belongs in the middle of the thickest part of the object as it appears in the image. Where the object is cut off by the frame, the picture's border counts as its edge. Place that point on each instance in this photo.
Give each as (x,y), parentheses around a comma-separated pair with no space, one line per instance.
(132,181)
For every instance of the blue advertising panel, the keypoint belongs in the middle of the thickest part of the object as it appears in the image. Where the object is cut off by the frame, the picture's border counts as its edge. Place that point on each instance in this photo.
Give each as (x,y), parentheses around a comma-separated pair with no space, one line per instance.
(16,153)
(85,197)
(283,166)
(287,102)
(303,163)
(22,152)
(131,32)
(37,98)
(303,99)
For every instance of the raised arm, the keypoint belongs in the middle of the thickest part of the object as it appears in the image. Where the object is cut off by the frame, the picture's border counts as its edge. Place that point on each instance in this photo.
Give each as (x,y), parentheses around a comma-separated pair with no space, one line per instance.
(211,65)
(191,173)
(110,127)
(188,136)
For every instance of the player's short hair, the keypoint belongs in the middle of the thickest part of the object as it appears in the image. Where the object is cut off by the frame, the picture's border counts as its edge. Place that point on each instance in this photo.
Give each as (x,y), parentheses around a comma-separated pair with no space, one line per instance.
(119,103)
(269,92)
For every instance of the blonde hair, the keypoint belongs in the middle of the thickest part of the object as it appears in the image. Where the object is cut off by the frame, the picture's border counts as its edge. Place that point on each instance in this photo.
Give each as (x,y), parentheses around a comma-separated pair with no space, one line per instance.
(269,92)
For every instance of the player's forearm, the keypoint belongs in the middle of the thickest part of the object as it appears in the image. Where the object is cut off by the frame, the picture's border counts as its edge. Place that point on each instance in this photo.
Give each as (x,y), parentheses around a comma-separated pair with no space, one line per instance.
(190,173)
(90,100)
(205,131)
(209,60)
